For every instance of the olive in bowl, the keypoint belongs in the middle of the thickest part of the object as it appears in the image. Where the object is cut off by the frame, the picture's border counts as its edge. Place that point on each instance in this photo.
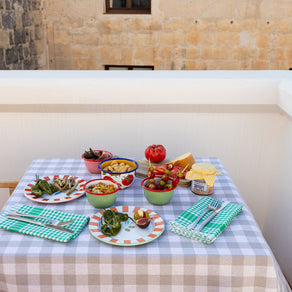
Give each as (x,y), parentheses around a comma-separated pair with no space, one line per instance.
(155,196)
(101,193)
(121,170)
(93,158)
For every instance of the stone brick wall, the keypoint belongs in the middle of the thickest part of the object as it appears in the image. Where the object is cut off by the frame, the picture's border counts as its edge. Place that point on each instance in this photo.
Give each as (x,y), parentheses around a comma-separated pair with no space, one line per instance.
(22,41)
(179,35)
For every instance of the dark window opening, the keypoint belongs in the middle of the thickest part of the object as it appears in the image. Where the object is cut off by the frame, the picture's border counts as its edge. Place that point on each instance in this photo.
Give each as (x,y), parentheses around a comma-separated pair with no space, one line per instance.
(127,67)
(128,6)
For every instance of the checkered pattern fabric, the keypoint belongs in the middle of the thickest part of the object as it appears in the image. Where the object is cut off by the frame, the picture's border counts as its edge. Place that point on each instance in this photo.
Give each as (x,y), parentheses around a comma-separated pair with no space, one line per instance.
(213,229)
(239,260)
(42,231)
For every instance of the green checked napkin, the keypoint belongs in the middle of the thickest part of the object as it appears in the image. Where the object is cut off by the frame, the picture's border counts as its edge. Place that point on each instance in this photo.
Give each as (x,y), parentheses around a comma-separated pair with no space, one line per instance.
(213,229)
(77,226)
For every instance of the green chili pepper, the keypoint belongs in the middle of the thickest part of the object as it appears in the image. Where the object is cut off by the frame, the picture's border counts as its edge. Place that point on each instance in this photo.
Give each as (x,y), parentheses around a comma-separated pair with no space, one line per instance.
(122,216)
(106,230)
(44,186)
(53,188)
(36,191)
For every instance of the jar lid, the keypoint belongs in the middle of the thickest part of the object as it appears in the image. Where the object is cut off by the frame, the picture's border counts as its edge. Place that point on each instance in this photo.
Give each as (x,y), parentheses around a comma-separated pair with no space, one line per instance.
(205,171)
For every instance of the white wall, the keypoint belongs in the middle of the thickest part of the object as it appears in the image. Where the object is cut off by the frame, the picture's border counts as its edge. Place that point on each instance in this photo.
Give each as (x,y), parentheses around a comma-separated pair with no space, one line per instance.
(232,115)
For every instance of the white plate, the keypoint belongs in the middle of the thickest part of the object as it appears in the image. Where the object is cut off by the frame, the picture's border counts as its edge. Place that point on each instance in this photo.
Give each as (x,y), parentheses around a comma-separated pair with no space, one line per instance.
(56,197)
(130,234)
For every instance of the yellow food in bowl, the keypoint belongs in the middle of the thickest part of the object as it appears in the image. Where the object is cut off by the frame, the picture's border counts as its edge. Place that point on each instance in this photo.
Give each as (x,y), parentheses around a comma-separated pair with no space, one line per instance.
(101,188)
(118,166)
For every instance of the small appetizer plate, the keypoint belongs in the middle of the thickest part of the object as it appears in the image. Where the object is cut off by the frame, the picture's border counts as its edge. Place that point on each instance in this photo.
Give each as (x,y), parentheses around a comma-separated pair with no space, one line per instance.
(130,234)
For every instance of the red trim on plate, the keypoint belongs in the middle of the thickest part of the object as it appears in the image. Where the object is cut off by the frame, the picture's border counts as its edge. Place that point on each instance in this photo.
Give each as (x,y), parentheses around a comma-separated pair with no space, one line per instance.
(102,236)
(96,217)
(136,209)
(159,223)
(57,200)
(35,198)
(93,224)
(46,178)
(95,230)
(114,240)
(158,229)
(45,200)
(140,239)
(154,217)
(152,235)
(56,176)
(68,198)
(30,185)
(125,209)
(126,241)
(114,209)
(149,211)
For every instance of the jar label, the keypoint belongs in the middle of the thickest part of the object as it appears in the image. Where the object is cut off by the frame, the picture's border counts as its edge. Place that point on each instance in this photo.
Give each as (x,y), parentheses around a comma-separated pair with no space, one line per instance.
(199,185)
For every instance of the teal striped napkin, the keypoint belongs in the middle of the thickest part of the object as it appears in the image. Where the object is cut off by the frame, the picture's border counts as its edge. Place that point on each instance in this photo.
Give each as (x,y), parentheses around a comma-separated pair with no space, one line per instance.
(77,226)
(213,229)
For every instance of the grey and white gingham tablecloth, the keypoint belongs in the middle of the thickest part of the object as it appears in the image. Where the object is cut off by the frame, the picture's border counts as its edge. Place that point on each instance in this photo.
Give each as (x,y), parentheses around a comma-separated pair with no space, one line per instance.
(239,260)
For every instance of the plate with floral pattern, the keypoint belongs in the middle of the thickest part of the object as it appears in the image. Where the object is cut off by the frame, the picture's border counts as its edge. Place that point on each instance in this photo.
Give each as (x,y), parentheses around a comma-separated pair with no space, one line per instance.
(57,197)
(130,234)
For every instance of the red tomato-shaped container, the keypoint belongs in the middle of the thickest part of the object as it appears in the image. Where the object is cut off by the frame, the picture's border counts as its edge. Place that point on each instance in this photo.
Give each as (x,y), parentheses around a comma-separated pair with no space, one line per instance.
(156,153)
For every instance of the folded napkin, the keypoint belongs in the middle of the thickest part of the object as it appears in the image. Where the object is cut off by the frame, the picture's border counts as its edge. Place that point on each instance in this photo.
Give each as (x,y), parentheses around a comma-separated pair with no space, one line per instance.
(41,231)
(213,229)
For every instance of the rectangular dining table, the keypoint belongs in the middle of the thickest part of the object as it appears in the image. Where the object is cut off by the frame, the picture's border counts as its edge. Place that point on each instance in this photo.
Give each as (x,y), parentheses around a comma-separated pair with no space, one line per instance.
(239,260)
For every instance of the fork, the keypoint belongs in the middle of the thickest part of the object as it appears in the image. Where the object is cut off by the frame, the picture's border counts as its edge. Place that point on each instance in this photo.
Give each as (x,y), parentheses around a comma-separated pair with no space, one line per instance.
(52,221)
(211,207)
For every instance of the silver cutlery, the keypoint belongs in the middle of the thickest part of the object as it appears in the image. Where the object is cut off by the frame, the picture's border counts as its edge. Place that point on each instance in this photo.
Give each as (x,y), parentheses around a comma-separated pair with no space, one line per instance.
(52,221)
(200,226)
(19,218)
(211,207)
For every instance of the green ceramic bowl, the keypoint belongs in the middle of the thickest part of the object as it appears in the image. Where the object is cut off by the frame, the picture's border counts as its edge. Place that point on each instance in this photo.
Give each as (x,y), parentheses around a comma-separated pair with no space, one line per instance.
(157,197)
(101,200)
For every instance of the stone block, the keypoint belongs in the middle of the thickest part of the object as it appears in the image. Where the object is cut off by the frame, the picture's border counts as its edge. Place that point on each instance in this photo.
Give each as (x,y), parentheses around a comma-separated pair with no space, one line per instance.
(284,40)
(261,65)
(26,19)
(11,56)
(263,40)
(17,66)
(33,49)
(37,32)
(192,53)
(164,52)
(193,38)
(3,66)
(4,39)
(11,38)
(145,55)
(1,4)
(8,5)
(214,53)
(8,20)
(126,56)
(280,53)
(19,37)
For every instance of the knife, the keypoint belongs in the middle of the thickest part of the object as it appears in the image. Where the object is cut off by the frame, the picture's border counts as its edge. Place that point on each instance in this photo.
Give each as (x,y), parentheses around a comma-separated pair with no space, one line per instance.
(15,217)
(200,226)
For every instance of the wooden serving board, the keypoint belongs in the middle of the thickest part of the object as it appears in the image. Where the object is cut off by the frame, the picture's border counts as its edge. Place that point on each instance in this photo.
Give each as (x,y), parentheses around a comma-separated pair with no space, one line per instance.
(143,169)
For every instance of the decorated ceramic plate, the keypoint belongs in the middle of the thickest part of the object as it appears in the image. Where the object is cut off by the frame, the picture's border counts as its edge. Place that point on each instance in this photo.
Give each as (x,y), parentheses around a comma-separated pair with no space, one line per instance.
(57,197)
(130,234)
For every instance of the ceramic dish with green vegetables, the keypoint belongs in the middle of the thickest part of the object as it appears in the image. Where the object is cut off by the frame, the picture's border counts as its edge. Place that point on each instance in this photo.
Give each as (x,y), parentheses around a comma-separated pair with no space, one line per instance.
(55,189)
